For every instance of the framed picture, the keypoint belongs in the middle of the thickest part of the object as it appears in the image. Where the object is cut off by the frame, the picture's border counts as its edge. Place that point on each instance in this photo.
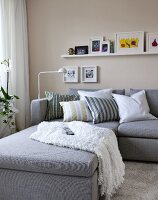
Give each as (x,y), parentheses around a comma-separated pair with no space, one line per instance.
(105,47)
(71,75)
(81,50)
(152,42)
(129,42)
(89,74)
(95,44)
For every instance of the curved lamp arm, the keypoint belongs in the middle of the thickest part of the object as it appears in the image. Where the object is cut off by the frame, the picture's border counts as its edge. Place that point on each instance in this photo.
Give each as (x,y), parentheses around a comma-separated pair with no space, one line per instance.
(61,70)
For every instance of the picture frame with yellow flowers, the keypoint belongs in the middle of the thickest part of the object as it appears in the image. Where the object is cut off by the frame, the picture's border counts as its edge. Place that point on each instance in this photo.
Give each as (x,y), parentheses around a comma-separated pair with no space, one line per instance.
(129,42)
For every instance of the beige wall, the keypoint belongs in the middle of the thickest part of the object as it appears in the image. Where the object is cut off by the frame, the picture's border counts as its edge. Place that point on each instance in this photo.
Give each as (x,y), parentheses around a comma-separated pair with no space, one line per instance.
(56,25)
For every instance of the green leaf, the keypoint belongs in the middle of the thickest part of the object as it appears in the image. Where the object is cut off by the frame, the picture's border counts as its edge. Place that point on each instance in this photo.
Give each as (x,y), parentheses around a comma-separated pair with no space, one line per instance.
(4,93)
(6,100)
(16,97)
(3,113)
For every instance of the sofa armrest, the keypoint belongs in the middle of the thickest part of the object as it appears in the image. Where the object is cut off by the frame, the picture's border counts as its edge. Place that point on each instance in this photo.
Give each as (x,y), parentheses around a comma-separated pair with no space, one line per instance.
(38,110)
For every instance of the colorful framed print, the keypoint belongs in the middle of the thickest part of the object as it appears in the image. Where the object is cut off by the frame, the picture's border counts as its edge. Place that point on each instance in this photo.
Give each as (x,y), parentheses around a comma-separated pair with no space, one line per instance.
(95,44)
(89,74)
(129,42)
(71,74)
(105,47)
(152,42)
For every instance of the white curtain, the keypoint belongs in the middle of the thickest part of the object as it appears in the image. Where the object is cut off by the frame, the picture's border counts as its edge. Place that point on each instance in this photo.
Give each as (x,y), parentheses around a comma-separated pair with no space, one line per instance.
(14,45)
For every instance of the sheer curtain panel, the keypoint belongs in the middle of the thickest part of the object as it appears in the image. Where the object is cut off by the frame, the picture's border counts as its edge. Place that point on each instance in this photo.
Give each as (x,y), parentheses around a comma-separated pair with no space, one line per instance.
(14,45)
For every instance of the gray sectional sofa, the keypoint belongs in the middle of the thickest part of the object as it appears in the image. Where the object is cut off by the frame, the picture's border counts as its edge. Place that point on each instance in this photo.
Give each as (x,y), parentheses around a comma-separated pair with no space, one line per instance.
(37,171)
(139,140)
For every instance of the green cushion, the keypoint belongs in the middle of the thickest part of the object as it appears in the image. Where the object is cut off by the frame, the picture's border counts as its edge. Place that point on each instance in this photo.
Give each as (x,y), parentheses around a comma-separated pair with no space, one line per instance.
(54,110)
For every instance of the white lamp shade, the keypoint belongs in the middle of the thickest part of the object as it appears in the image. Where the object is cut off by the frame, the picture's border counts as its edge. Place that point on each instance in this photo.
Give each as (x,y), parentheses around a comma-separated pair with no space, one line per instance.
(62,70)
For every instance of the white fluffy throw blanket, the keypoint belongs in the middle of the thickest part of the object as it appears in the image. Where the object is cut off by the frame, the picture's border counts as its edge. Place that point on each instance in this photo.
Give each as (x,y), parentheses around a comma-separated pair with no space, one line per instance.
(100,141)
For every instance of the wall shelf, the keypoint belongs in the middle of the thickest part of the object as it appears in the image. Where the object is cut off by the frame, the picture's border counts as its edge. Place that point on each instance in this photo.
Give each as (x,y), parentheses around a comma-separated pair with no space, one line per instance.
(107,55)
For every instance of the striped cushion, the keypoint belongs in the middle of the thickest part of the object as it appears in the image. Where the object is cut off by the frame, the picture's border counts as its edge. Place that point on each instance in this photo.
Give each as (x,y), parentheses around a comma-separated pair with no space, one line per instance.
(103,109)
(54,110)
(76,111)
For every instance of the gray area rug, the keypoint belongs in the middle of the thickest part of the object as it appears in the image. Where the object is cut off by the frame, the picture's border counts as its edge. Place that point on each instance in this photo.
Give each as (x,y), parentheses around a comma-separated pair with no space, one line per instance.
(141,182)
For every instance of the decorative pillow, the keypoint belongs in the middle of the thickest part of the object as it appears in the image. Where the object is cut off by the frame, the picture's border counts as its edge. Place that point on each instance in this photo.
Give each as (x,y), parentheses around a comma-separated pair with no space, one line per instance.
(133,108)
(106,93)
(76,111)
(102,109)
(54,110)
(152,98)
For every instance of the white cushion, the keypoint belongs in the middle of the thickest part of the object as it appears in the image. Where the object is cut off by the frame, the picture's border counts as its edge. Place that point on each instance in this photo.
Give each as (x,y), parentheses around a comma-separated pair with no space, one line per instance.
(133,108)
(76,111)
(105,93)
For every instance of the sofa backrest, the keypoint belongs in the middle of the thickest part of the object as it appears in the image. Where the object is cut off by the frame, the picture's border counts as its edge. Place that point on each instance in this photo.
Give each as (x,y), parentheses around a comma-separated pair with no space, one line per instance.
(74,91)
(152,98)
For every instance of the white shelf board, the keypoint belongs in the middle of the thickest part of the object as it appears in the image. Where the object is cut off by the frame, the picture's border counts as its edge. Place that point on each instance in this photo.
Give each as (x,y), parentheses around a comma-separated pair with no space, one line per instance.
(104,55)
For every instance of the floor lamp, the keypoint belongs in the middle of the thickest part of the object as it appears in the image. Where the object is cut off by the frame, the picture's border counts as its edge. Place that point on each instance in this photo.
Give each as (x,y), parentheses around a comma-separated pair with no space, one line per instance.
(61,70)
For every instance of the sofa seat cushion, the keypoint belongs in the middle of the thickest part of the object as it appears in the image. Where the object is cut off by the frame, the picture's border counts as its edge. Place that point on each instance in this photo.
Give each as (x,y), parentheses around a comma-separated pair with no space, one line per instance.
(18,152)
(139,129)
(110,125)
(113,125)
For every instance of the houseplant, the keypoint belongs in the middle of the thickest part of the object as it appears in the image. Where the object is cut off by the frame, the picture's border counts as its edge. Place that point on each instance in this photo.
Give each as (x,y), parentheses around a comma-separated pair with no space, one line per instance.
(7,109)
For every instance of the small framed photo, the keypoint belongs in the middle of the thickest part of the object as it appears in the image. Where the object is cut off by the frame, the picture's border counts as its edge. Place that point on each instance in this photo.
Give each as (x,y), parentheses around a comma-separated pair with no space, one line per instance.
(89,74)
(95,44)
(129,42)
(71,75)
(152,42)
(81,50)
(105,47)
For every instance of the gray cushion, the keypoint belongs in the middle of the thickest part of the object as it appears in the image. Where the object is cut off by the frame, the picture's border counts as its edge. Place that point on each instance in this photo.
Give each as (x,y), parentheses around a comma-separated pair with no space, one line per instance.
(139,129)
(74,91)
(103,110)
(110,125)
(152,98)
(21,153)
(142,149)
